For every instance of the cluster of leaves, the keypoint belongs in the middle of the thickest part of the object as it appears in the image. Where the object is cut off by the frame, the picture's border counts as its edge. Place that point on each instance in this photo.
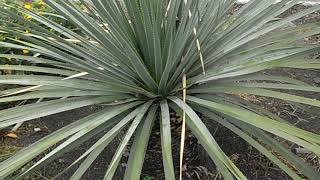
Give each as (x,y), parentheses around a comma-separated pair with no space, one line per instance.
(3,34)
(144,57)
(38,6)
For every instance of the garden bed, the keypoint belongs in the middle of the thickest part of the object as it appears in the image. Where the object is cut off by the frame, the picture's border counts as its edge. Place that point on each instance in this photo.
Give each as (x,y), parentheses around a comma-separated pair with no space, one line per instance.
(197,164)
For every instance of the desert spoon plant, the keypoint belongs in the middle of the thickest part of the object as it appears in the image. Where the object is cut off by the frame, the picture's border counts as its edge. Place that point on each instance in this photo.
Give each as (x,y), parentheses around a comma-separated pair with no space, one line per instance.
(133,56)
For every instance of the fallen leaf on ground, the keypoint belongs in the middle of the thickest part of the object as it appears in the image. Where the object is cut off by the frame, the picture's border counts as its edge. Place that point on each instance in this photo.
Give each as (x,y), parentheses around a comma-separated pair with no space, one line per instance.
(12,135)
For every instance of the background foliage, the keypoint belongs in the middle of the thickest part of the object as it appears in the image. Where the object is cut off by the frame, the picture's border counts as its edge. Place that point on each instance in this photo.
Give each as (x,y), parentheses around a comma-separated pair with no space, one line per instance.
(144,58)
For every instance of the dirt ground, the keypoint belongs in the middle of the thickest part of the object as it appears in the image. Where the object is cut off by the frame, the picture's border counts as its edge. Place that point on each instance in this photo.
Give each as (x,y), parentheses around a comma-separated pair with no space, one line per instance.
(197,164)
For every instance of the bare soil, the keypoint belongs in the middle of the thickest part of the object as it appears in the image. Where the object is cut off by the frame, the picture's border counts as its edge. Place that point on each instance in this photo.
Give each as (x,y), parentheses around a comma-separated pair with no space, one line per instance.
(197,164)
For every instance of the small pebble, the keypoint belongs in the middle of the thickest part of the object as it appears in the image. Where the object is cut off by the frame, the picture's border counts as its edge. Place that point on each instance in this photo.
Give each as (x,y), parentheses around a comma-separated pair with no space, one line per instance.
(37,129)
(317,80)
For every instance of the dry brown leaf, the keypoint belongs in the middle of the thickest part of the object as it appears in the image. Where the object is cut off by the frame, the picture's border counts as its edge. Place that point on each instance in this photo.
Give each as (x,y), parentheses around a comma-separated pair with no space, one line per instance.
(12,135)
